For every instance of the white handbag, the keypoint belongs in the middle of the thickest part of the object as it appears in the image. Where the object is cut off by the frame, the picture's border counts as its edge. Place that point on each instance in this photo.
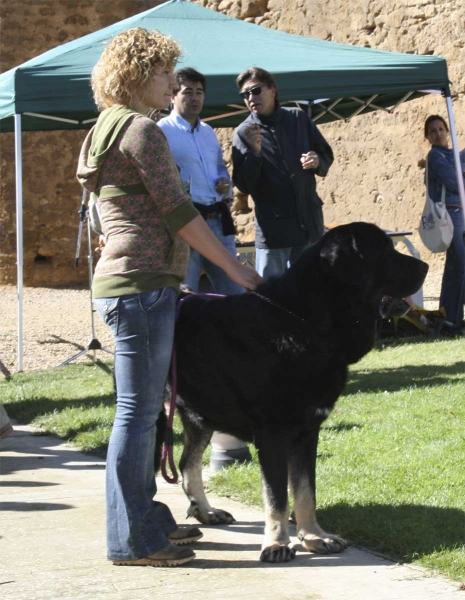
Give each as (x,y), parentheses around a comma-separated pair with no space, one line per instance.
(436,228)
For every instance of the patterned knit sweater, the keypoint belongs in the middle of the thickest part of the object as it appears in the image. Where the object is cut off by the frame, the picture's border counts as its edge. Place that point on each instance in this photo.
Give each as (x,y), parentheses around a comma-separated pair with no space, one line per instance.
(141,203)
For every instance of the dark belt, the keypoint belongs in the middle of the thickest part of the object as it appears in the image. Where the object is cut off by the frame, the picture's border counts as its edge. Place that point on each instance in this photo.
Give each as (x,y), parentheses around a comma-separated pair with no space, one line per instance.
(219,209)
(211,215)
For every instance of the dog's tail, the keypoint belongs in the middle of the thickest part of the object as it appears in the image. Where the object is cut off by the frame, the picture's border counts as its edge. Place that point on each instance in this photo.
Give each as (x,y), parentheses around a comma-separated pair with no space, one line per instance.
(161,434)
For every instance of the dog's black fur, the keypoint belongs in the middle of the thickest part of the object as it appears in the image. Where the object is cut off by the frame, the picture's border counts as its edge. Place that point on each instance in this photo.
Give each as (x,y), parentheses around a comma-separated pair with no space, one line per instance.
(269,369)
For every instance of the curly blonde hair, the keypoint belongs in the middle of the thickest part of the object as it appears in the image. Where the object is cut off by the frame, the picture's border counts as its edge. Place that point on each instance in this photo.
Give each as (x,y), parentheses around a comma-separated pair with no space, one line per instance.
(129,62)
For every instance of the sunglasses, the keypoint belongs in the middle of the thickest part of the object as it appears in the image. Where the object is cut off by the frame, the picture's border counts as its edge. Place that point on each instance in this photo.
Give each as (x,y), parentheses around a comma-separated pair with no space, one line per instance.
(256,90)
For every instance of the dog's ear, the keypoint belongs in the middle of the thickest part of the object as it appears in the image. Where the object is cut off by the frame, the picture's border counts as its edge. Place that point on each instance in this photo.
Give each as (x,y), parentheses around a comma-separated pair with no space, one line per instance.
(342,257)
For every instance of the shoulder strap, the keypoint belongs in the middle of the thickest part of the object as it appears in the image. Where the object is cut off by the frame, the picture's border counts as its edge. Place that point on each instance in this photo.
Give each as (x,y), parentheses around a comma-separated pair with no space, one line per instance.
(443,191)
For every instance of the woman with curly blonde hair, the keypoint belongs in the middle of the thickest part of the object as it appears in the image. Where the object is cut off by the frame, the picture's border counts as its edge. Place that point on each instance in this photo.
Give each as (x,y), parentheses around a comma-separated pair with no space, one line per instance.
(149,223)
(130,62)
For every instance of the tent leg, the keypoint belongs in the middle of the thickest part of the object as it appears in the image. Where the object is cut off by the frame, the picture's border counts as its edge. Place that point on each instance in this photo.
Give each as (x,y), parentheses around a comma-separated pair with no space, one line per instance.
(455,148)
(94,343)
(19,234)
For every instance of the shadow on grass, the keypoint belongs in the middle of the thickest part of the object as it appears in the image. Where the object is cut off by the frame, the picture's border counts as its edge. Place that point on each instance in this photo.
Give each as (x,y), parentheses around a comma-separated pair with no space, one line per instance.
(29,411)
(403,532)
(399,378)
(72,369)
(25,411)
(395,341)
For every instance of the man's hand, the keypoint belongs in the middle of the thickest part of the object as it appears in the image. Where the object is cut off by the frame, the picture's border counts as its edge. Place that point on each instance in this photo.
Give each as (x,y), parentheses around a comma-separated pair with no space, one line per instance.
(310,160)
(253,138)
(222,185)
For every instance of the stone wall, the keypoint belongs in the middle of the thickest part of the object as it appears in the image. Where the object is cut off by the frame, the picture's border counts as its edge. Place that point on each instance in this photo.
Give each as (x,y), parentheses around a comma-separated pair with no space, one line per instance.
(376,176)
(52,195)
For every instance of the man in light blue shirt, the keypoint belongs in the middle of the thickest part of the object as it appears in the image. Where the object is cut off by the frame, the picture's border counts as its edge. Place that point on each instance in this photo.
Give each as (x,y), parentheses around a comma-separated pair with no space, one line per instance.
(197,153)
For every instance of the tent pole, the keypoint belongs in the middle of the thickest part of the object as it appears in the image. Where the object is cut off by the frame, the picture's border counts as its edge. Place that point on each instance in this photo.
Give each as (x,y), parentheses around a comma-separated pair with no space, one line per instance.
(19,235)
(455,148)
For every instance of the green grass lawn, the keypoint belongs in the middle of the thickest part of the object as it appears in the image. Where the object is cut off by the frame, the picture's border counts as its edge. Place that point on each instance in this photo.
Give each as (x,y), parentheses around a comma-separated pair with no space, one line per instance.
(390,474)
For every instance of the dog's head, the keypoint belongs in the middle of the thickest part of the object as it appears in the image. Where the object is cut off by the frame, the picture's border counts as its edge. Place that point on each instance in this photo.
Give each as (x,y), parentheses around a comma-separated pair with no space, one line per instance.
(363,256)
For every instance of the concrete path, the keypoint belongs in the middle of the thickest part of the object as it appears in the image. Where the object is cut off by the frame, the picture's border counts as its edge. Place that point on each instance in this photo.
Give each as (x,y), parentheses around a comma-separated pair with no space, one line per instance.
(52,545)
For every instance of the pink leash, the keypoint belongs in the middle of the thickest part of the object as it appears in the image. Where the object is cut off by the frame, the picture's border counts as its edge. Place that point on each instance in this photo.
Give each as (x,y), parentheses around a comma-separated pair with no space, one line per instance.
(167,451)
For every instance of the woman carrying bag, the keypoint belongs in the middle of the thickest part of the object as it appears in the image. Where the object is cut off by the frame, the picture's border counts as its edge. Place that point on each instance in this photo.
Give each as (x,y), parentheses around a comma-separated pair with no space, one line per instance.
(441,172)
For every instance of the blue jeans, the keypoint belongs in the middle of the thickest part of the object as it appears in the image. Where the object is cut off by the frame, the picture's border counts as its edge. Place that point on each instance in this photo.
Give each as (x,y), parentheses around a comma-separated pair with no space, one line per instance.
(453,279)
(143,328)
(274,261)
(220,282)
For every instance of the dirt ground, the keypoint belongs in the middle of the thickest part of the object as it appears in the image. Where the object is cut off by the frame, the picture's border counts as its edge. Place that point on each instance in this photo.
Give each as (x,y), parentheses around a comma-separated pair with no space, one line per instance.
(57,324)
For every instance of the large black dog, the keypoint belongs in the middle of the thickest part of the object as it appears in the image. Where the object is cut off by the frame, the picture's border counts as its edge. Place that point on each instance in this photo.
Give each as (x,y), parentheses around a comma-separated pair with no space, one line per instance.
(268,367)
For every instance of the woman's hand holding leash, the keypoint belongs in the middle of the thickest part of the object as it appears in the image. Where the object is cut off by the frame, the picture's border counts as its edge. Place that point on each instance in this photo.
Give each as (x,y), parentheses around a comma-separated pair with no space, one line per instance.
(244,276)
(199,236)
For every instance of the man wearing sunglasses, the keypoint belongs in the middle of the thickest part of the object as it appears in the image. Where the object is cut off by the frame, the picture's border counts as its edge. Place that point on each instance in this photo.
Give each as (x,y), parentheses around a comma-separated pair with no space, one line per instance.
(276,154)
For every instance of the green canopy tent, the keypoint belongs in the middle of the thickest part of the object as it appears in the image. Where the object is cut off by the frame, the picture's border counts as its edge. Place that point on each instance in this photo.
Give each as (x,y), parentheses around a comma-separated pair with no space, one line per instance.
(329,80)
(52,90)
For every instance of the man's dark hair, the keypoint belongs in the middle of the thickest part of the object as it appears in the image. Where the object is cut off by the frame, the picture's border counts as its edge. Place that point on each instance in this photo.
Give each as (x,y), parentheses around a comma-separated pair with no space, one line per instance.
(262,75)
(189,74)
(432,118)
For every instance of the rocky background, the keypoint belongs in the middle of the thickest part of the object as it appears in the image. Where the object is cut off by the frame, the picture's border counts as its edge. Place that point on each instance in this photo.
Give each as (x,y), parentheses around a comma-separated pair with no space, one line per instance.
(376,175)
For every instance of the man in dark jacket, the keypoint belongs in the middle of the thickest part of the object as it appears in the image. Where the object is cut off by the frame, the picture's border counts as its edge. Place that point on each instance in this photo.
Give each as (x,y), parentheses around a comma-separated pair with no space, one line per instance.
(276,154)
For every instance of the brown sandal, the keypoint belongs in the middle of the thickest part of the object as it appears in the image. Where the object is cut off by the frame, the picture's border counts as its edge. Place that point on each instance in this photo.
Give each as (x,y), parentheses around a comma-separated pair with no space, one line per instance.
(171,556)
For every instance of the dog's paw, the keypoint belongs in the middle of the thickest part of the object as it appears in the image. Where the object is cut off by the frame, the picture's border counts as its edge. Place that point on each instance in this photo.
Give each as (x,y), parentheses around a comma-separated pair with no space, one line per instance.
(328,543)
(278,553)
(212,516)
